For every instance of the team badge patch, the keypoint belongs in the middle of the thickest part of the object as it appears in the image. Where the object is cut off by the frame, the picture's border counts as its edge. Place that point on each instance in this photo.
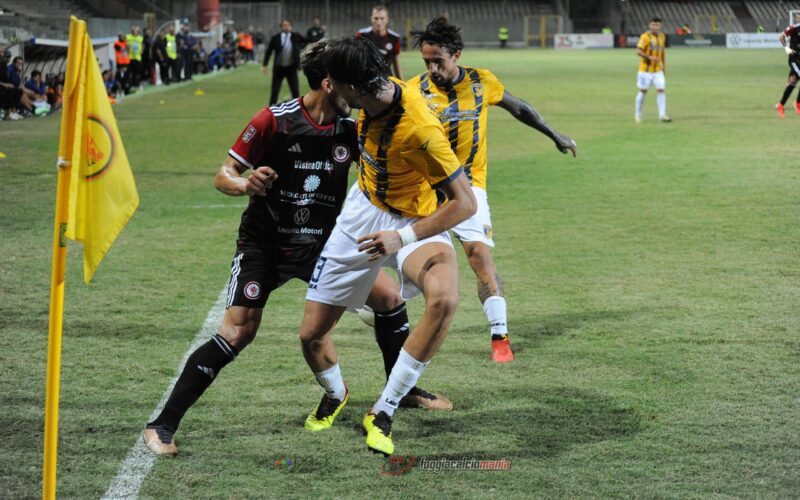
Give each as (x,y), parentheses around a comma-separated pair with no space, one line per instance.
(389,46)
(252,290)
(477,89)
(249,134)
(341,153)
(487,230)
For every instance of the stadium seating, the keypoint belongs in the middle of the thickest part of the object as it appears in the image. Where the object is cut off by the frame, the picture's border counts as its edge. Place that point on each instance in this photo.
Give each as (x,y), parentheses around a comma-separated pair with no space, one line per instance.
(675,14)
(46,19)
(771,15)
(346,16)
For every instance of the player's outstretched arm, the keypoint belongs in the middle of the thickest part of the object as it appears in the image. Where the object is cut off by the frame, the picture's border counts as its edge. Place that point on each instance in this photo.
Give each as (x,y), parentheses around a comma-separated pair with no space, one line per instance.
(524,112)
(460,207)
(229,179)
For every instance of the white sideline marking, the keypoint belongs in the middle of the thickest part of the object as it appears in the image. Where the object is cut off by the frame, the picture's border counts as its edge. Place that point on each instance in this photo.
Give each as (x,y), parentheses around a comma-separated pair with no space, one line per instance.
(139,462)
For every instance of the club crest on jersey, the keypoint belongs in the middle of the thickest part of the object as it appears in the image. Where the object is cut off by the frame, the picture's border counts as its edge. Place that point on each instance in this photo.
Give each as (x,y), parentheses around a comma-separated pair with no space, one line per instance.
(341,153)
(252,290)
(487,230)
(302,216)
(389,46)
(311,183)
(477,89)
(249,134)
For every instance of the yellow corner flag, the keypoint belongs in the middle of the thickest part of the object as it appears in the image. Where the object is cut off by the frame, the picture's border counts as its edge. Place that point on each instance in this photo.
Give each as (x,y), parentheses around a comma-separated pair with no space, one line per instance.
(102,192)
(95,198)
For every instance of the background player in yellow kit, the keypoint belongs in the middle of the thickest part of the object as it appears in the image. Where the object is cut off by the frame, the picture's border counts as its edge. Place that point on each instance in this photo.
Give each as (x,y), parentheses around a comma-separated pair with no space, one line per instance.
(459,96)
(651,69)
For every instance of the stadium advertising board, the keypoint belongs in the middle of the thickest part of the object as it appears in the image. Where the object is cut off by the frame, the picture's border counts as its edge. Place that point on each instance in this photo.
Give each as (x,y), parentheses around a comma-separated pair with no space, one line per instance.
(752,41)
(582,41)
(697,40)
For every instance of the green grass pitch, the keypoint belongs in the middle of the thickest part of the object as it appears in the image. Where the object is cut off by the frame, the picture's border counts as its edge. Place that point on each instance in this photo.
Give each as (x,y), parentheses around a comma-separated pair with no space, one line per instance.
(652,284)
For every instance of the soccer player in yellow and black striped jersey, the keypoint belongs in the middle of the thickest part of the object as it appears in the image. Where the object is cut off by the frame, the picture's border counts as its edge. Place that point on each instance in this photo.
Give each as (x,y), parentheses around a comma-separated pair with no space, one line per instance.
(460,97)
(652,65)
(390,218)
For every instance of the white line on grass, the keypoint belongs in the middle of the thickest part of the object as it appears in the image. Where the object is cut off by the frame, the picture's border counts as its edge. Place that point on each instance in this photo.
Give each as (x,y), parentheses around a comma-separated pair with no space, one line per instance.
(139,461)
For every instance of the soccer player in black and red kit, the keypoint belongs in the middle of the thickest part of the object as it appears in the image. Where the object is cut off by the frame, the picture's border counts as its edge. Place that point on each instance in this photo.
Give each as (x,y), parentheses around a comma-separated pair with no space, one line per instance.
(387,41)
(309,146)
(790,39)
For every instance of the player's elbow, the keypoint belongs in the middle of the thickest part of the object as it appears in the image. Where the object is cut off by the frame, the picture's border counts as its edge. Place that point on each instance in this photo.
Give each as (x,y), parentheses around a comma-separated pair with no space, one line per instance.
(468,205)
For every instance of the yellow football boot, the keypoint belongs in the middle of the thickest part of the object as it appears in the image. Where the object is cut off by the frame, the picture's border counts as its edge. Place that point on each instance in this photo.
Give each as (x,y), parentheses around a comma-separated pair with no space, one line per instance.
(379,433)
(325,413)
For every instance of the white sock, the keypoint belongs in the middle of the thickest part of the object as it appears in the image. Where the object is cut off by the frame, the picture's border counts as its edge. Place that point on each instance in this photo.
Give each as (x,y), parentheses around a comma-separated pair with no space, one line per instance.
(495,309)
(661,99)
(331,380)
(639,102)
(404,376)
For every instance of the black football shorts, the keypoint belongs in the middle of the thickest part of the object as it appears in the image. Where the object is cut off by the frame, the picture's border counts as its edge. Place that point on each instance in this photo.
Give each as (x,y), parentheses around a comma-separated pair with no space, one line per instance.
(256,271)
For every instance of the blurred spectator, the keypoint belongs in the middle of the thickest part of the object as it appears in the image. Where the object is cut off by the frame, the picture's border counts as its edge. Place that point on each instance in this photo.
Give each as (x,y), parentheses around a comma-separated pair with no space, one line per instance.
(186,43)
(607,30)
(286,46)
(258,42)
(123,59)
(113,88)
(759,29)
(55,87)
(683,29)
(15,71)
(12,97)
(502,35)
(160,57)
(245,44)
(36,83)
(216,60)
(147,56)
(200,61)
(316,32)
(171,50)
(135,42)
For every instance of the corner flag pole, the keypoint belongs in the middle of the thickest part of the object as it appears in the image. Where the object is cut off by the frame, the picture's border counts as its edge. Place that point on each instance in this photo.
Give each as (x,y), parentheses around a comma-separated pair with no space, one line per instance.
(54,331)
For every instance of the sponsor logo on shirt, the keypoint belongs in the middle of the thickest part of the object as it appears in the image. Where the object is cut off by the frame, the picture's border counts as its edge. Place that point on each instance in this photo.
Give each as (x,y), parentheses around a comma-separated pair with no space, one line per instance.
(313,165)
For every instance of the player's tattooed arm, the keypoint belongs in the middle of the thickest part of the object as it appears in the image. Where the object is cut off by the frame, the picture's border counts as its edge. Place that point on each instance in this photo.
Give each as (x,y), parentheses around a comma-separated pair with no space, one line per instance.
(229,179)
(527,114)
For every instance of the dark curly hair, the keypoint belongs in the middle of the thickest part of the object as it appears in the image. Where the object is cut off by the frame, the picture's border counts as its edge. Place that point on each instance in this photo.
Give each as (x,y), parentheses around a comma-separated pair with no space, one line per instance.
(312,62)
(440,32)
(358,62)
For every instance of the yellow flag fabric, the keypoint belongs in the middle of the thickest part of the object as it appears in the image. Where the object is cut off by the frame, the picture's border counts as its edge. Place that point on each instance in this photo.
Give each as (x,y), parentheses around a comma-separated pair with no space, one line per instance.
(102,194)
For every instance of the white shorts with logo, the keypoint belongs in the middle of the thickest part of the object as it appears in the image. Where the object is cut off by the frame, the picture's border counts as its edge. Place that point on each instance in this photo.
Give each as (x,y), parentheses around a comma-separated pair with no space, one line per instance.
(645,79)
(479,226)
(344,276)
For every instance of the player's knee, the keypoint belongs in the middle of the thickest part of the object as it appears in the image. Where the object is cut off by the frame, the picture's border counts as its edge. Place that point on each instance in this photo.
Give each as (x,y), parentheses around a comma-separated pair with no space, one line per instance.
(385,303)
(441,304)
(239,336)
(480,259)
(311,337)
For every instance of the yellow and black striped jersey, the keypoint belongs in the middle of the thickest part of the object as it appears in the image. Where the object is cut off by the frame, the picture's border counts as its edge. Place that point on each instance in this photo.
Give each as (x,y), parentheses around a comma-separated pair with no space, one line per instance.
(462,110)
(405,156)
(652,45)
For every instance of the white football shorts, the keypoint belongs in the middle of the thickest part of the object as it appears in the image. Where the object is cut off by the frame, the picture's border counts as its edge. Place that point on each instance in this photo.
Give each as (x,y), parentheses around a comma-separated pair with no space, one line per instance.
(645,79)
(344,276)
(479,226)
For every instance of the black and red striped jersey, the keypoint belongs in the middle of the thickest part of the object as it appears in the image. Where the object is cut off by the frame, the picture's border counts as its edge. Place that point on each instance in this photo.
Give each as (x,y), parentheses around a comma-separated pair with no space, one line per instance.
(792,32)
(312,163)
(388,44)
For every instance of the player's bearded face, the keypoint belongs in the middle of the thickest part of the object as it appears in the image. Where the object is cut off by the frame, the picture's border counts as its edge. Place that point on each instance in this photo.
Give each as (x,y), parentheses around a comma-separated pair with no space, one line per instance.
(345,95)
(442,66)
(339,104)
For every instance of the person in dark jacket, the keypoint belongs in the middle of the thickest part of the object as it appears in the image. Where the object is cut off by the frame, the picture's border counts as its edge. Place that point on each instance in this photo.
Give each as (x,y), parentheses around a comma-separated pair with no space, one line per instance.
(286,45)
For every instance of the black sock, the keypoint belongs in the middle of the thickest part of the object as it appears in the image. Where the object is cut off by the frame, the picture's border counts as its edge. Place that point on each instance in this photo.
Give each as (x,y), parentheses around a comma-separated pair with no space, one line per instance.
(201,368)
(391,332)
(787,93)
